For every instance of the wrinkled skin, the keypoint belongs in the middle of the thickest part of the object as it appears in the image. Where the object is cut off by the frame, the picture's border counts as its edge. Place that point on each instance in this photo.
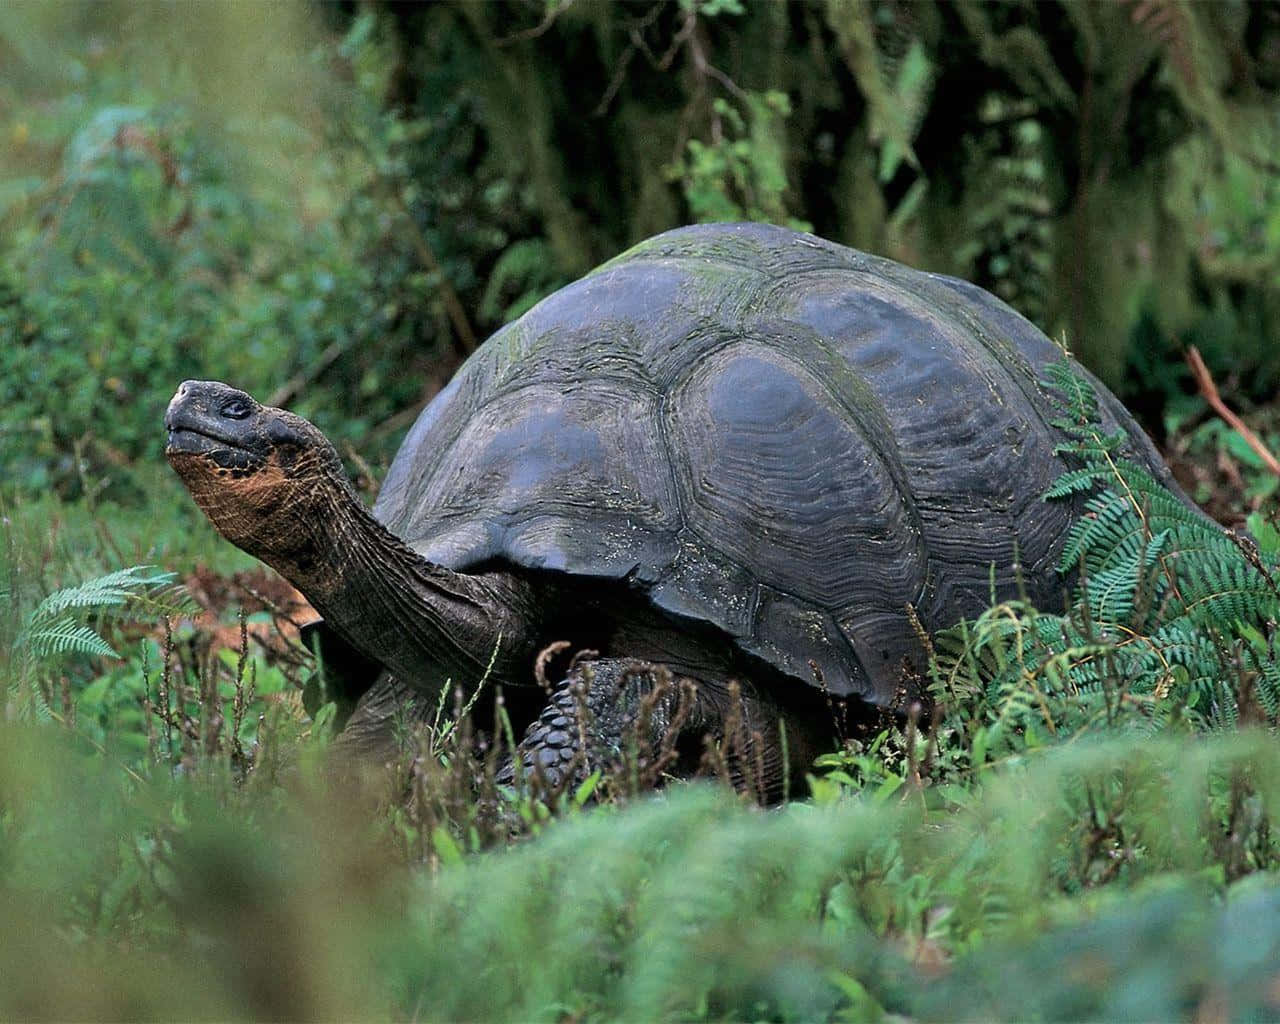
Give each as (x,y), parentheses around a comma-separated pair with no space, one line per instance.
(263,476)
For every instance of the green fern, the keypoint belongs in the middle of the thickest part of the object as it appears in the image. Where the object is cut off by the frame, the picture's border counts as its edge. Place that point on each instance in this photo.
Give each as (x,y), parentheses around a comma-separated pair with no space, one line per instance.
(1174,620)
(894,75)
(137,584)
(1010,225)
(68,637)
(56,627)
(1078,402)
(52,628)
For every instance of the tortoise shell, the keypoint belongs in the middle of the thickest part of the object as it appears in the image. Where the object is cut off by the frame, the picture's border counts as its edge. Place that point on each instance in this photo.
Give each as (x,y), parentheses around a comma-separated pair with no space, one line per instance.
(761,431)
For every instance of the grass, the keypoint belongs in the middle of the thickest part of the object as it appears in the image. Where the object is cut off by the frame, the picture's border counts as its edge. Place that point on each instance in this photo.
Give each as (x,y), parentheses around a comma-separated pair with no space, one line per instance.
(179,848)
(195,897)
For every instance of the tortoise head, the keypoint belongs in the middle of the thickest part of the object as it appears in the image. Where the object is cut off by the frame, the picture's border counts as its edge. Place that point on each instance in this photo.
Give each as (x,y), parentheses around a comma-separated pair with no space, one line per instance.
(264,477)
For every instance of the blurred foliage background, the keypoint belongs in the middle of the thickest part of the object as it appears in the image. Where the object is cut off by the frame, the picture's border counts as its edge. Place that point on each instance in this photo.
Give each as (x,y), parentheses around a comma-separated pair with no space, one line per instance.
(331,205)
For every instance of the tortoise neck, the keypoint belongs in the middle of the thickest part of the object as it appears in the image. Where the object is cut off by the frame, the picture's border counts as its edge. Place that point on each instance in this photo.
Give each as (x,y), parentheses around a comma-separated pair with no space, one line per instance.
(427,624)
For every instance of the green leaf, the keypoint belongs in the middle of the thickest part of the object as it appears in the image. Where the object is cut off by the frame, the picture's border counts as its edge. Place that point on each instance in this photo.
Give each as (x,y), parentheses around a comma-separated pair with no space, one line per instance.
(445,847)
(887,788)
(68,637)
(92,695)
(1265,534)
(587,787)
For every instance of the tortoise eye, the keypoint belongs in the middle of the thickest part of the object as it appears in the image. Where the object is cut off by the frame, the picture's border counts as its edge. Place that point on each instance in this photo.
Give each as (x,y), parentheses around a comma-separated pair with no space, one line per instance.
(235,409)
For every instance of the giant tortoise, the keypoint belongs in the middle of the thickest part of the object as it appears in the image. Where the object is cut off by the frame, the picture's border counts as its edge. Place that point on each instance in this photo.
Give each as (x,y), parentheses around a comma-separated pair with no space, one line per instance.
(735,454)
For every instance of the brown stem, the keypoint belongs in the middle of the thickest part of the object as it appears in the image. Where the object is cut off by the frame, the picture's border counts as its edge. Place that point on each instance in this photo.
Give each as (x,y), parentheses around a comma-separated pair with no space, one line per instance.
(452,304)
(427,257)
(286,392)
(1204,381)
(540,29)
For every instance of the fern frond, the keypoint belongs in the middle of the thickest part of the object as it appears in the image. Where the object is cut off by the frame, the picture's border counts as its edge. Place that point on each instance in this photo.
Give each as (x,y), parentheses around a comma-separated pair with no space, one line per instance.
(66,636)
(113,589)
(30,702)
(168,599)
(1219,591)
(1267,686)
(1080,403)
(1088,445)
(1107,524)
(1194,531)
(1077,481)
(53,629)
(1174,621)
(1075,669)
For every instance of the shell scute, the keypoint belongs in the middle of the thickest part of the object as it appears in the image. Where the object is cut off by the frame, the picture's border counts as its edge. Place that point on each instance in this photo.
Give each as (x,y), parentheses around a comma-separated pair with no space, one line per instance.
(777,477)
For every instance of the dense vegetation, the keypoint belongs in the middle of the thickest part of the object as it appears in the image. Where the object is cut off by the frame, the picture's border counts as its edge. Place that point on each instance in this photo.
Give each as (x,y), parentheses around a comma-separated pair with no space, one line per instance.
(330,206)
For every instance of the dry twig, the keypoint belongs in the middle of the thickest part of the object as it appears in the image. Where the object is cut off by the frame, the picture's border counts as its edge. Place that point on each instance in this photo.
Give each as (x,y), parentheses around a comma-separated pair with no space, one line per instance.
(1204,381)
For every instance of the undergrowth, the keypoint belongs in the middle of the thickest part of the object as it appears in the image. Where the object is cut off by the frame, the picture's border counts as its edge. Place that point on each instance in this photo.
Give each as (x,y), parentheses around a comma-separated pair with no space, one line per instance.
(1173,627)
(1082,829)
(1096,881)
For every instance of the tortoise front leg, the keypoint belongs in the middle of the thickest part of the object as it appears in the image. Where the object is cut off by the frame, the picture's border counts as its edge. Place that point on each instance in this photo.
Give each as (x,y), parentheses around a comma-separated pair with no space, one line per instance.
(384,718)
(641,719)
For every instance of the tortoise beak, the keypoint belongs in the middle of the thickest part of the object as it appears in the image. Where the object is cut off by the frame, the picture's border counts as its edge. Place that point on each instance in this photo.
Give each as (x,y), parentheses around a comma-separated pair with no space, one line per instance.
(188,405)
(182,415)
(194,422)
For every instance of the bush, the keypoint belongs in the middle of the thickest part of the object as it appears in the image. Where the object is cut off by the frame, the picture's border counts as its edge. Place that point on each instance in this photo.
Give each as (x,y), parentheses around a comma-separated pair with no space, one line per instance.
(171,238)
